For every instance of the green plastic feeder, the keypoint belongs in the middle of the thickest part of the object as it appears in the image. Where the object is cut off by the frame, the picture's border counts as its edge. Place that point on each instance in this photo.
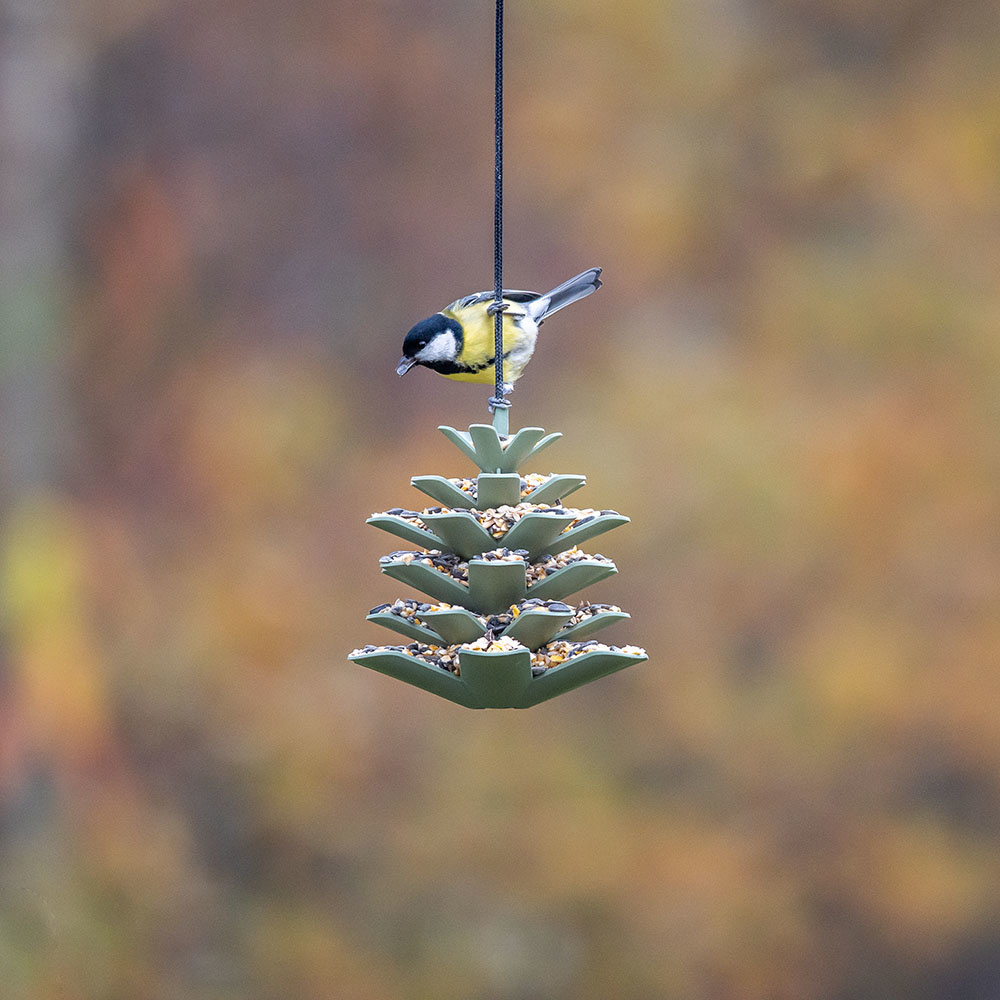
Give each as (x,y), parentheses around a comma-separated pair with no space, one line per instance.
(570,579)
(438,488)
(395,525)
(495,586)
(538,532)
(415,671)
(481,588)
(590,625)
(537,626)
(484,446)
(460,532)
(498,680)
(584,532)
(496,489)
(576,672)
(411,630)
(455,625)
(555,488)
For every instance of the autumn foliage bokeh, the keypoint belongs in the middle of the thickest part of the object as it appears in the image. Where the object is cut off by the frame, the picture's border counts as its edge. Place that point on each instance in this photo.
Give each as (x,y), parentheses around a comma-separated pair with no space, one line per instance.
(220,219)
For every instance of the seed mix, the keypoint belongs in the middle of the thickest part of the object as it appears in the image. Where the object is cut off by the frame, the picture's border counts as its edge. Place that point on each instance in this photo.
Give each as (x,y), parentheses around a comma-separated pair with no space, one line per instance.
(498,520)
(552,655)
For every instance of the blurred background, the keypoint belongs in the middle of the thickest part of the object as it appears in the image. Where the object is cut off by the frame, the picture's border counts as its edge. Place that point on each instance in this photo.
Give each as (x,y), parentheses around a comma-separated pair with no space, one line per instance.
(219,218)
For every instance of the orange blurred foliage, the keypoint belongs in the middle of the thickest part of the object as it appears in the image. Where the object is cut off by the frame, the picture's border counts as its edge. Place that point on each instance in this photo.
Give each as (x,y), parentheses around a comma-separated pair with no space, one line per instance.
(225,216)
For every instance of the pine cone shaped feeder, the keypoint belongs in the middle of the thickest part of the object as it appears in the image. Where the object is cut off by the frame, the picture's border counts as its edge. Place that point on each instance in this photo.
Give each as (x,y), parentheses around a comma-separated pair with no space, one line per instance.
(496,561)
(500,554)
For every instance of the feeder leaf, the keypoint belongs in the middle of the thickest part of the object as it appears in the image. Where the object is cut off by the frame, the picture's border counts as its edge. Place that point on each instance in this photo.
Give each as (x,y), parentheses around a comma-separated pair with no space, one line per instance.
(497,489)
(495,585)
(570,579)
(396,525)
(456,625)
(429,581)
(590,625)
(415,671)
(556,487)
(576,671)
(537,532)
(440,489)
(461,533)
(496,680)
(404,626)
(594,527)
(536,626)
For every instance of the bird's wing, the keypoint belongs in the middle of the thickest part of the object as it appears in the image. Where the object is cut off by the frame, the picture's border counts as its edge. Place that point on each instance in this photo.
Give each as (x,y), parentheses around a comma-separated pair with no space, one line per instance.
(512,294)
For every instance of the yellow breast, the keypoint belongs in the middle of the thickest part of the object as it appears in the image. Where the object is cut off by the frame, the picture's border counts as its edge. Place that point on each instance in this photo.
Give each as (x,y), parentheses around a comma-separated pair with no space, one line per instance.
(519,334)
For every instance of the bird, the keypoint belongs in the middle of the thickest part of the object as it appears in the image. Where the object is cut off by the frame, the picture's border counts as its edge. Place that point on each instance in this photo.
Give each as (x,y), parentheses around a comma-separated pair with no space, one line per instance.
(459,341)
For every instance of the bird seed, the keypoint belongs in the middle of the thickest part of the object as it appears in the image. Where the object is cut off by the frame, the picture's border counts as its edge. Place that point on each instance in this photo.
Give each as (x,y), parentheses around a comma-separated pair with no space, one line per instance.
(497,520)
(447,657)
(551,564)
(556,653)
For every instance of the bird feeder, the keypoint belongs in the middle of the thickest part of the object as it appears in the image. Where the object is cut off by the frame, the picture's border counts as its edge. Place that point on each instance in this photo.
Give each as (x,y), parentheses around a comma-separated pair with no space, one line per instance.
(497,557)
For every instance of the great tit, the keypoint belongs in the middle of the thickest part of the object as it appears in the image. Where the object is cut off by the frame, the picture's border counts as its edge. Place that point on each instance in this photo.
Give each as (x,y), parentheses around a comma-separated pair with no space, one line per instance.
(459,341)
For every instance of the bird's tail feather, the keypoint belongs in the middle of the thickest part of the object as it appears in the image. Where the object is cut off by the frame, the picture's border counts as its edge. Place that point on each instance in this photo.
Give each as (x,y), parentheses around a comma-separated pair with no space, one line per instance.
(565,294)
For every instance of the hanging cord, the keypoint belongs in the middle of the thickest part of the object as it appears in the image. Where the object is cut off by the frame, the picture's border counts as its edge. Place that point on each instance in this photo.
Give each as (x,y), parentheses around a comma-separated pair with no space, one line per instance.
(497,306)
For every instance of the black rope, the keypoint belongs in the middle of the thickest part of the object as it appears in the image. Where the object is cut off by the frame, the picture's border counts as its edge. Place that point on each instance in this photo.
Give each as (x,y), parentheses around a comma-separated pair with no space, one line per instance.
(498,305)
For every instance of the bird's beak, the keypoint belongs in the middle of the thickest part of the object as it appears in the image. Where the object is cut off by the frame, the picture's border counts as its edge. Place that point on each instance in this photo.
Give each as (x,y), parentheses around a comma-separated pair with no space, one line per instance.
(405,364)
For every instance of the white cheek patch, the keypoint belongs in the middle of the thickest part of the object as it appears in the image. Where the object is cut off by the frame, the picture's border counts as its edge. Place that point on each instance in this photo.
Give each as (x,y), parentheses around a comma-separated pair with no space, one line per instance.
(443,347)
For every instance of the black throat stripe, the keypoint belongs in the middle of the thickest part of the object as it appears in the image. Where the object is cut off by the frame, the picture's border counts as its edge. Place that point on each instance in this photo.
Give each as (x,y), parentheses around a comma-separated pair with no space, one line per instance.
(454,368)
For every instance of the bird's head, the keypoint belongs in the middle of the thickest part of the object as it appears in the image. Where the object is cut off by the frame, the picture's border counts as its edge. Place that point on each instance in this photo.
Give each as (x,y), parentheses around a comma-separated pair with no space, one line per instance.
(432,341)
